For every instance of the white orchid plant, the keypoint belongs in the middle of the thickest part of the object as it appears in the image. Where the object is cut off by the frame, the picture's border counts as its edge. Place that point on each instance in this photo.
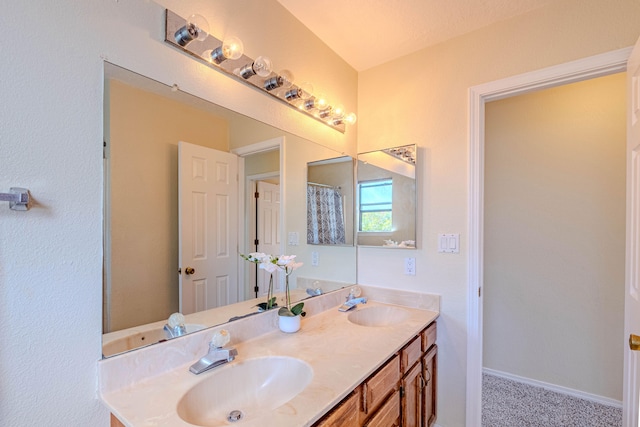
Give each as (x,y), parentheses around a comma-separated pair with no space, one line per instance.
(286,264)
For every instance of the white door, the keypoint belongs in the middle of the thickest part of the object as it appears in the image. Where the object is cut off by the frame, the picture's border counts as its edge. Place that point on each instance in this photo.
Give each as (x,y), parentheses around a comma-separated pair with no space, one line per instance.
(632,287)
(208,224)
(268,230)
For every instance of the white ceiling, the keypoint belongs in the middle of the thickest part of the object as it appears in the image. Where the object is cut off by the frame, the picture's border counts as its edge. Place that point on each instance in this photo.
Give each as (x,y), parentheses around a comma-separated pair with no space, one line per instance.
(366,33)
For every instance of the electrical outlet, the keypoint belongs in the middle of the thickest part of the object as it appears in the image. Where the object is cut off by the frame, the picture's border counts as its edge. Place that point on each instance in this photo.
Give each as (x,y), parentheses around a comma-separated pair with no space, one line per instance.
(410,266)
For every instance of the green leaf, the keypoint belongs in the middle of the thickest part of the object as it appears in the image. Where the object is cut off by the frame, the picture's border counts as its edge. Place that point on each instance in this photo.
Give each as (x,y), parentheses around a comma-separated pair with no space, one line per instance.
(284,311)
(297,309)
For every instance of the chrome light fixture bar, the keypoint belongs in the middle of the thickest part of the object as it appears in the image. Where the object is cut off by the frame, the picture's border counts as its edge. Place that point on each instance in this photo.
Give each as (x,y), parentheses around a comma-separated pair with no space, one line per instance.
(187,35)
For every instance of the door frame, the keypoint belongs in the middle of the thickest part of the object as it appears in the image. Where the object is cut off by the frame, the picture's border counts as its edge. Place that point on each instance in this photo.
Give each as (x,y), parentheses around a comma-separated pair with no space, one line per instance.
(570,72)
(277,143)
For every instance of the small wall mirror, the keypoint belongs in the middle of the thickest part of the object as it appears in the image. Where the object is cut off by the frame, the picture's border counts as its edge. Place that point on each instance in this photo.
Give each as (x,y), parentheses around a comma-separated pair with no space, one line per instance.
(330,198)
(386,198)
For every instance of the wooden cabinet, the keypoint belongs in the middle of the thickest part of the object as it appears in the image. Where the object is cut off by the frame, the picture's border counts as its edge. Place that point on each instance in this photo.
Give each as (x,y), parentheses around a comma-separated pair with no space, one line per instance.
(412,398)
(389,413)
(418,387)
(379,386)
(115,422)
(429,396)
(401,393)
(346,413)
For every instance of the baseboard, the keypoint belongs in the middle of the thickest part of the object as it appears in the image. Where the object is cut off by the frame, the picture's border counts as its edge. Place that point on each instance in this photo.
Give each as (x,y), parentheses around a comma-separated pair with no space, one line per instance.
(558,389)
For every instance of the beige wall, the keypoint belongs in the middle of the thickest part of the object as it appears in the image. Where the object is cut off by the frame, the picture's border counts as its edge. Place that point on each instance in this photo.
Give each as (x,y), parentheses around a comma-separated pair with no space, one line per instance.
(143,159)
(554,235)
(423,98)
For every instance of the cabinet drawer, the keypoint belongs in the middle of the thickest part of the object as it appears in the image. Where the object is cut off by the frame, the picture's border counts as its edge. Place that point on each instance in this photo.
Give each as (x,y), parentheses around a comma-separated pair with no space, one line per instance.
(388,415)
(376,389)
(345,414)
(429,336)
(410,354)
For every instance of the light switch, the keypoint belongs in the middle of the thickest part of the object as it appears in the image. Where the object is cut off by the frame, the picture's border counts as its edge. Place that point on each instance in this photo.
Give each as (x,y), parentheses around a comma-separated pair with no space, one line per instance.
(315,259)
(294,240)
(449,243)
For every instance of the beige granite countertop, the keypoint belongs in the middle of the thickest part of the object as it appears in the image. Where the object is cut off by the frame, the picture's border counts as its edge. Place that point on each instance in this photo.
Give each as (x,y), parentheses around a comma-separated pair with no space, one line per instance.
(144,388)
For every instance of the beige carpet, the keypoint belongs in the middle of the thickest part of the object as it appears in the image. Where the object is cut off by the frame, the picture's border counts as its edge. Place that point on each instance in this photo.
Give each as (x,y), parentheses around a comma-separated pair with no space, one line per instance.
(507,403)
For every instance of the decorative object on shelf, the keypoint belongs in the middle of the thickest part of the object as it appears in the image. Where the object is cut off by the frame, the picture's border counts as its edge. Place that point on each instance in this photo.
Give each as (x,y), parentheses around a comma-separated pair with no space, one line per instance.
(265,262)
(288,316)
(192,36)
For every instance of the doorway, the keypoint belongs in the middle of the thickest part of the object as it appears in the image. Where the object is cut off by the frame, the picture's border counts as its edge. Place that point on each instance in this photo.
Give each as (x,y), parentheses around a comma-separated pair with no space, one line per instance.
(554,238)
(596,66)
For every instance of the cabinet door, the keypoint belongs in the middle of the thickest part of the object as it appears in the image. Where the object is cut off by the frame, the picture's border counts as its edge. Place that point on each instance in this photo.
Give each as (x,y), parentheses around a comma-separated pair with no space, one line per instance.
(411,397)
(376,389)
(430,375)
(343,415)
(388,415)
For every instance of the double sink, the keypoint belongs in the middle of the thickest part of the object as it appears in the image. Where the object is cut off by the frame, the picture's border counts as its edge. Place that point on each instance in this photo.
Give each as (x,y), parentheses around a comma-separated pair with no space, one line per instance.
(277,379)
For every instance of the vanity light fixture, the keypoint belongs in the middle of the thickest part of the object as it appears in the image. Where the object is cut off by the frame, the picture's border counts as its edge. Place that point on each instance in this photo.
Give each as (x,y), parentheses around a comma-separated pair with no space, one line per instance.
(192,36)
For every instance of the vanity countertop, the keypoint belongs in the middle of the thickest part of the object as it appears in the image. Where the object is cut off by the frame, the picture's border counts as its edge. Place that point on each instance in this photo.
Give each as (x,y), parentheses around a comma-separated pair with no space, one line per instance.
(342,355)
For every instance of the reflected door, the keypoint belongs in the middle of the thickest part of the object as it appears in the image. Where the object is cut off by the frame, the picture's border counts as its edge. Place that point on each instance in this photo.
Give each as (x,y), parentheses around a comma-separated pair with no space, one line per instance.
(268,230)
(208,216)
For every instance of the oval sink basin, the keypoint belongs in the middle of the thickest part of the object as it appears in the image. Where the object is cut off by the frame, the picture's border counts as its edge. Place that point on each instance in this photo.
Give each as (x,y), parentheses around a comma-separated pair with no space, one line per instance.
(141,339)
(378,316)
(244,391)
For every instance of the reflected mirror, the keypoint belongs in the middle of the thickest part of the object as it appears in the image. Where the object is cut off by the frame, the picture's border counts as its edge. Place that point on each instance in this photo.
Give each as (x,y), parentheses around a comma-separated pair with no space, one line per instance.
(158,252)
(330,215)
(386,198)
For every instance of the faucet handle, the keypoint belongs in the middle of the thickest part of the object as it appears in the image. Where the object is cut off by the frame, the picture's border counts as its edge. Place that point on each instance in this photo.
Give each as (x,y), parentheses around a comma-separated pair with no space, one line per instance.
(220,338)
(354,292)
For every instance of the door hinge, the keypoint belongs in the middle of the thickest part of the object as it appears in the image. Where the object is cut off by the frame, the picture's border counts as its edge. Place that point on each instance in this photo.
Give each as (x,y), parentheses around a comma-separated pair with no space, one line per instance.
(256,289)
(104,149)
(256,242)
(256,195)
(479,292)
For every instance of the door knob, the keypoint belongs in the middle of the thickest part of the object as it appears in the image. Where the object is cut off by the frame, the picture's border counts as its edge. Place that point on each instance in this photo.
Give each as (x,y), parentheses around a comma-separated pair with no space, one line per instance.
(634,342)
(191,270)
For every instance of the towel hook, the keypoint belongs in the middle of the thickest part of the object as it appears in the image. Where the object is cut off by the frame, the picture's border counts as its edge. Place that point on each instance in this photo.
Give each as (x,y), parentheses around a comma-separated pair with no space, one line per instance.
(18,198)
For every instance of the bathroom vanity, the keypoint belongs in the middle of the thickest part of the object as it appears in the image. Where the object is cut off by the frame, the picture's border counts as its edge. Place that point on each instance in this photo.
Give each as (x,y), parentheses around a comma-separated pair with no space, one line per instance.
(372,366)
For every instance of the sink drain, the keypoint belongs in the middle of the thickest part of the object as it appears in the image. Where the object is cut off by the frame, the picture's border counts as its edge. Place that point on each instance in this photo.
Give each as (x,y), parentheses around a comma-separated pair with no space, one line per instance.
(234,416)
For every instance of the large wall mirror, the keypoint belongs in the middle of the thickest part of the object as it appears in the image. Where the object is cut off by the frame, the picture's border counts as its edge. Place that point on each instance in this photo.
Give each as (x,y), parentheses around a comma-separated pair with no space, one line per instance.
(156,141)
(386,198)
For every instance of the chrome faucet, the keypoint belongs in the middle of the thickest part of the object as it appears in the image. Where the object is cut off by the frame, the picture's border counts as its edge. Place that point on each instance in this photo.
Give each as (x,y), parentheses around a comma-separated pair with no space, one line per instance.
(217,355)
(352,299)
(175,326)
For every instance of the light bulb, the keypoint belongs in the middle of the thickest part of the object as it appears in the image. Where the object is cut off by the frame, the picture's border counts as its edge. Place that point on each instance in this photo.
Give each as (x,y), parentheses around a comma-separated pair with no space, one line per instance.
(338,111)
(260,66)
(319,102)
(232,48)
(196,28)
(306,90)
(351,118)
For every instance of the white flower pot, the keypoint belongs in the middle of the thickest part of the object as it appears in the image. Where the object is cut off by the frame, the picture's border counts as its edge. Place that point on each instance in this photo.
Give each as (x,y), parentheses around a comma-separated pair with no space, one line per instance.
(289,324)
